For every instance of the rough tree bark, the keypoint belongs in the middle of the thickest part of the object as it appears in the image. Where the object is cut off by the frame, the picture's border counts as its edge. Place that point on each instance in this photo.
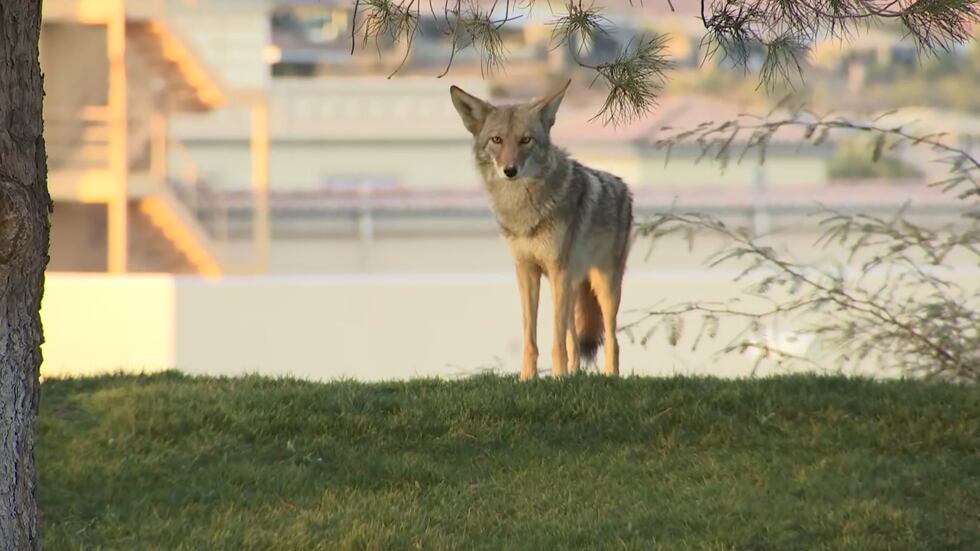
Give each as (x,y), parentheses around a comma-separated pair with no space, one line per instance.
(24,208)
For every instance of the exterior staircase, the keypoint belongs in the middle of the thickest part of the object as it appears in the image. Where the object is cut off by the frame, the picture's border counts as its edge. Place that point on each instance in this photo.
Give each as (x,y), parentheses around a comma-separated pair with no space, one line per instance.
(166,214)
(150,250)
(165,74)
(161,209)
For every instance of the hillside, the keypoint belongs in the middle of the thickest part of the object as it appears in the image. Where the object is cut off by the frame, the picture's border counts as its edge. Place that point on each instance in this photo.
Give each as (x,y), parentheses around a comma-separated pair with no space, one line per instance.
(174,462)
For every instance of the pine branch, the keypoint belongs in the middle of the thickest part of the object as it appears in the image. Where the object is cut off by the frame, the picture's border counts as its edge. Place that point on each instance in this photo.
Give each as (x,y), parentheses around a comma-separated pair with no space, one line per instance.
(634,79)
(914,319)
(783,31)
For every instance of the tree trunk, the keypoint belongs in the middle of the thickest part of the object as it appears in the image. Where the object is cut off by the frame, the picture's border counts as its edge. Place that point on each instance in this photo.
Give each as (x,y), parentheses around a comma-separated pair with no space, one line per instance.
(24,208)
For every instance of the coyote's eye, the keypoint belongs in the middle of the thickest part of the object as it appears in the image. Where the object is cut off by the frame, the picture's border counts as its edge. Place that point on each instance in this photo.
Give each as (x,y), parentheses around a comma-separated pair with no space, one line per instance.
(526,140)
(497,140)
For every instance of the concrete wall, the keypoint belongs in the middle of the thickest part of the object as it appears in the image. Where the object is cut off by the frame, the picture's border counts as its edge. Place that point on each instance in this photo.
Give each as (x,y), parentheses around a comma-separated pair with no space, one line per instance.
(325,327)
(96,323)
(421,307)
(368,327)
(453,253)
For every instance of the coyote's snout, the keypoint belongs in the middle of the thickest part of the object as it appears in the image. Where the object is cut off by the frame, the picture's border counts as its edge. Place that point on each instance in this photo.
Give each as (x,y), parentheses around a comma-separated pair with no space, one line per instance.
(559,218)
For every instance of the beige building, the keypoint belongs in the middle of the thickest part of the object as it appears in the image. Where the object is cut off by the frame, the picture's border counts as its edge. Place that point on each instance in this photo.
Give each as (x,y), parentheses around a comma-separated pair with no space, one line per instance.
(176,147)
(128,195)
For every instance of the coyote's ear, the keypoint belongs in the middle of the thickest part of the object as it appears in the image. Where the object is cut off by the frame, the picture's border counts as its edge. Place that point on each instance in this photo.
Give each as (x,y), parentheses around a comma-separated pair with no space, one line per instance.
(547,107)
(472,109)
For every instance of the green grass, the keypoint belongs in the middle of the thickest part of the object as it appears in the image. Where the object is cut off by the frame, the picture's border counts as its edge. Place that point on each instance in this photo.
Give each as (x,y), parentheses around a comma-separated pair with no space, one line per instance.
(174,462)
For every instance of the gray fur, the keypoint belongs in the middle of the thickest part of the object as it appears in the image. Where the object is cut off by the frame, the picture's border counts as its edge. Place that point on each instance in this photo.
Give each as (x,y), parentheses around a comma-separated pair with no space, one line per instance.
(554,213)
(562,194)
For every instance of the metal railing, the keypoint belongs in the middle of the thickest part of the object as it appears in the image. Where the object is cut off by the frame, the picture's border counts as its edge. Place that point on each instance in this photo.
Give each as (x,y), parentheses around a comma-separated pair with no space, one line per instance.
(207,206)
(366,213)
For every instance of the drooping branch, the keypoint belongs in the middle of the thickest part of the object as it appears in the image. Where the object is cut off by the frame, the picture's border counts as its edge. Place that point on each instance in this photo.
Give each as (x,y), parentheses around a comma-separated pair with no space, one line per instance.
(718,140)
(781,32)
(634,79)
(914,318)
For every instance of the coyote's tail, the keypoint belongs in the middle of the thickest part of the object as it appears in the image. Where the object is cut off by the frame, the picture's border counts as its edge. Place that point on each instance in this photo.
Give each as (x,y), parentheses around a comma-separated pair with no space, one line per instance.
(588,322)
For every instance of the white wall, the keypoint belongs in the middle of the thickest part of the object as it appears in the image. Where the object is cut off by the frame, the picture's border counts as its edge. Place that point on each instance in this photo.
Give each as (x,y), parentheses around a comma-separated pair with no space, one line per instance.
(97,323)
(458,312)
(363,327)
(324,327)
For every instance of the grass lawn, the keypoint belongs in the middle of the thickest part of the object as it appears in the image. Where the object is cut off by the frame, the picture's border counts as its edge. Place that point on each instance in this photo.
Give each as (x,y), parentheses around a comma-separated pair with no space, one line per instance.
(174,462)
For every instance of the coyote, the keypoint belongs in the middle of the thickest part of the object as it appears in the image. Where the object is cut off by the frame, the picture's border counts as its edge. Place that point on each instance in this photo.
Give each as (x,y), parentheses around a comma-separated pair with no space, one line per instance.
(559,218)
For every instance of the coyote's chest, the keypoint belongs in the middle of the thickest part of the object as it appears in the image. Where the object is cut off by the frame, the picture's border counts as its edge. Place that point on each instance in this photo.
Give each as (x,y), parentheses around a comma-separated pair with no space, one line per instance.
(518,211)
(528,219)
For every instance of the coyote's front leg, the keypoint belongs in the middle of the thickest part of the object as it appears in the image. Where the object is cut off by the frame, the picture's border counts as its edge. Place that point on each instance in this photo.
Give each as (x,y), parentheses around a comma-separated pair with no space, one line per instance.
(529,283)
(561,290)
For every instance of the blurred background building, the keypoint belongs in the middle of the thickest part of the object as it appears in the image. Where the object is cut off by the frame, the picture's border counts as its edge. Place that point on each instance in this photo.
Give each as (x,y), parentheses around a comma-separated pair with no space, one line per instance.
(227,138)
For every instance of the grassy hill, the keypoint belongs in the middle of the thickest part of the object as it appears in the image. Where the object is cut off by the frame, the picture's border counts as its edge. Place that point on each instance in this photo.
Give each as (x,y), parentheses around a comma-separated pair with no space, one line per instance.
(174,462)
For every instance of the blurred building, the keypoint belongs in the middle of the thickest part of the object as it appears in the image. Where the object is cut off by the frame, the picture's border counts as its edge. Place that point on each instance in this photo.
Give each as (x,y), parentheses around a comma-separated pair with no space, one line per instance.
(243,136)
(115,74)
